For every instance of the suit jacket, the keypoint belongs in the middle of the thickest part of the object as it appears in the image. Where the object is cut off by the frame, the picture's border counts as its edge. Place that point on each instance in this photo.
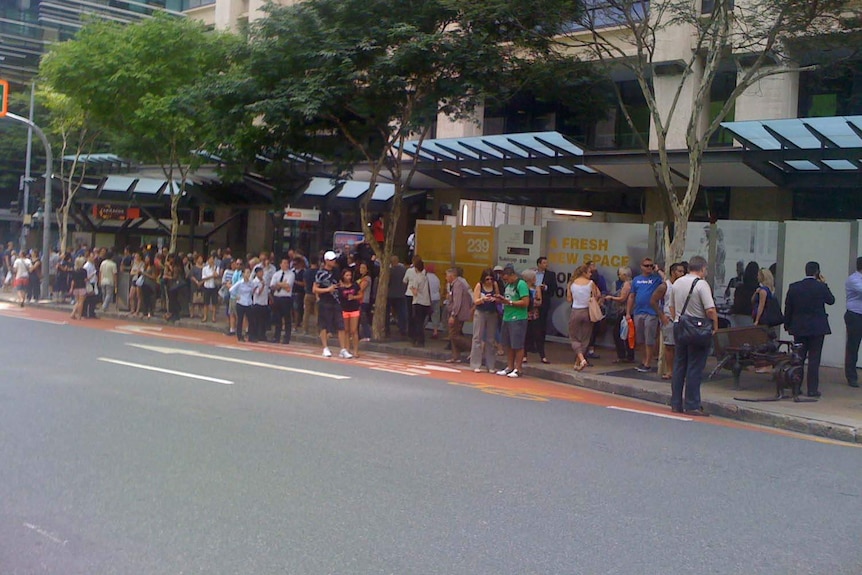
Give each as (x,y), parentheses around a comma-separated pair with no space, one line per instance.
(550,280)
(805,308)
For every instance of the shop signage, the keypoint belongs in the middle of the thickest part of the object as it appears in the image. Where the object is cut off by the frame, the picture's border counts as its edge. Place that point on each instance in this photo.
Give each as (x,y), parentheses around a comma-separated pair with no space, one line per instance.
(109,212)
(301,215)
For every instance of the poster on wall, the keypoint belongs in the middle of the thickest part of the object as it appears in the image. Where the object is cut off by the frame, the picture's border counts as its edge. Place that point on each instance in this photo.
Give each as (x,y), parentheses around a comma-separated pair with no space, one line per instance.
(519,246)
(738,244)
(571,244)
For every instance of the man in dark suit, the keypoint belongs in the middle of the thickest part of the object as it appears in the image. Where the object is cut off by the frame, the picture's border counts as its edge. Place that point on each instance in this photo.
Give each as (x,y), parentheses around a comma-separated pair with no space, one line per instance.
(548,280)
(806,320)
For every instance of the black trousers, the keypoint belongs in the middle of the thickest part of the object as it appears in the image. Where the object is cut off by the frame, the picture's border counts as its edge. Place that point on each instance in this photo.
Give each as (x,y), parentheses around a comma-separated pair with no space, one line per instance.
(282,311)
(90,302)
(417,323)
(258,322)
(853,323)
(811,353)
(243,312)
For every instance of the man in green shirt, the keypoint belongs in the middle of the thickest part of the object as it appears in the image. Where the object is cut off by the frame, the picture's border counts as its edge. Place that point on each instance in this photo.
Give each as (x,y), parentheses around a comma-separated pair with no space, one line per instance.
(515,300)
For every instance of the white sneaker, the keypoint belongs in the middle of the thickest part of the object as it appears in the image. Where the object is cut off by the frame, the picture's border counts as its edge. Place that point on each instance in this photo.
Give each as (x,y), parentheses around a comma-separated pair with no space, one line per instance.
(326,352)
(477,370)
(504,371)
(344,354)
(513,373)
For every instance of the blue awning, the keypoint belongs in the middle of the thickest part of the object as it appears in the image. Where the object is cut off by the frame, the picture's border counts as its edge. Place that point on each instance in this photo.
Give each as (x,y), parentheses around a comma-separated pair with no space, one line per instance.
(803,152)
(346,190)
(504,155)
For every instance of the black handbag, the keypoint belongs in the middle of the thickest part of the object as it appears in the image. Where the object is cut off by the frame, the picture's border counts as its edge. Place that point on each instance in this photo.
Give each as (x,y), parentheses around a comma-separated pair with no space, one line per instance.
(690,330)
(771,315)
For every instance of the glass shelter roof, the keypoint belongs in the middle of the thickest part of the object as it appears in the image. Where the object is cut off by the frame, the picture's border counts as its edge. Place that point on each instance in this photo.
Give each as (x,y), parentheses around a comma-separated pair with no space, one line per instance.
(803,152)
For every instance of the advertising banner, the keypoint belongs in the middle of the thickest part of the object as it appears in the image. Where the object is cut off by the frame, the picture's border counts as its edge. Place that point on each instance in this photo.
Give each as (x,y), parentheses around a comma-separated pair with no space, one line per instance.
(346,242)
(519,246)
(571,244)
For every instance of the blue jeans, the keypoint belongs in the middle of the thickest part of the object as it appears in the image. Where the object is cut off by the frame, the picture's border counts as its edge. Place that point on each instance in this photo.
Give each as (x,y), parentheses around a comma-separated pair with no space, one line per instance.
(688,365)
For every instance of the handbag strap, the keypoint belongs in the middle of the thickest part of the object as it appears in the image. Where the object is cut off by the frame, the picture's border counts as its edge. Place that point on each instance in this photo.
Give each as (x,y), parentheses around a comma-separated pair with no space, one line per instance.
(685,305)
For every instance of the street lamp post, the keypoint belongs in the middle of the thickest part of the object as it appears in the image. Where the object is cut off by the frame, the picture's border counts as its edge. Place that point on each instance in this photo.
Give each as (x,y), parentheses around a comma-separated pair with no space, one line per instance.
(46,228)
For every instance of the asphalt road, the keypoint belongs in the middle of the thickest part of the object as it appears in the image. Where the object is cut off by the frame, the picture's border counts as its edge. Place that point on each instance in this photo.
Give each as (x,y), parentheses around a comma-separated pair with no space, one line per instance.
(106,468)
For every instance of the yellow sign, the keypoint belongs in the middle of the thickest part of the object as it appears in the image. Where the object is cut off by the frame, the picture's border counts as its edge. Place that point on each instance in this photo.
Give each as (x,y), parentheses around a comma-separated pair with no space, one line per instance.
(474,250)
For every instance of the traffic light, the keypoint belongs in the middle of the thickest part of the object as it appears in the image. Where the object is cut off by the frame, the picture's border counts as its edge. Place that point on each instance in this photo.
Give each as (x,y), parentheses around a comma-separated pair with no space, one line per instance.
(4,97)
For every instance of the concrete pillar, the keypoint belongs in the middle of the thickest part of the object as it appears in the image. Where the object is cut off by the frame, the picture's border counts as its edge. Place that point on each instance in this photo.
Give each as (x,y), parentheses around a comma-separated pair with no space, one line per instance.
(447,128)
(773,97)
(229,12)
(259,233)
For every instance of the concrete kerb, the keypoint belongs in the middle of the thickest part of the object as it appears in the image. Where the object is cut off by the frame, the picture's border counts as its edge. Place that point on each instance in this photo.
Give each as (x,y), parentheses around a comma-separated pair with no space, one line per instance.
(607,384)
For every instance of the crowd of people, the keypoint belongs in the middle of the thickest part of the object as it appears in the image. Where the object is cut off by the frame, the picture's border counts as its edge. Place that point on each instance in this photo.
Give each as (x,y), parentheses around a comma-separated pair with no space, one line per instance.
(333,296)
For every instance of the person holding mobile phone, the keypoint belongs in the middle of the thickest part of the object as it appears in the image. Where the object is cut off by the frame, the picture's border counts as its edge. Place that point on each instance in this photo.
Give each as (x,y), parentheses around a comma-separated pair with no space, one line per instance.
(805,318)
(485,295)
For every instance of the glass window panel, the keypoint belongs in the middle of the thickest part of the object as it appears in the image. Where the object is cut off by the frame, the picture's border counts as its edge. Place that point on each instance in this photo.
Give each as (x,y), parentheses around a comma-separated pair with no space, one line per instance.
(840,164)
(802,165)
(319,187)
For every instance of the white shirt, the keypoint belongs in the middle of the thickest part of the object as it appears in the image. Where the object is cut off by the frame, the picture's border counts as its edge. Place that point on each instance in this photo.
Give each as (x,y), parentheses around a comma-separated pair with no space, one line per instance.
(434,286)
(91,271)
(107,271)
(22,268)
(410,279)
(282,277)
(422,296)
(211,272)
(260,295)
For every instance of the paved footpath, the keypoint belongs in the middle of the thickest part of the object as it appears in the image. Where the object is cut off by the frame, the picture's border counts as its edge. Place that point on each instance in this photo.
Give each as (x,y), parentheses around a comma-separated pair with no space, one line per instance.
(836,415)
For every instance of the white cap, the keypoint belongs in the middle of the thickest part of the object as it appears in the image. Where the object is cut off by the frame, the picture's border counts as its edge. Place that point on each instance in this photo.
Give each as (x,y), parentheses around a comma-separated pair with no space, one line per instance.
(328,256)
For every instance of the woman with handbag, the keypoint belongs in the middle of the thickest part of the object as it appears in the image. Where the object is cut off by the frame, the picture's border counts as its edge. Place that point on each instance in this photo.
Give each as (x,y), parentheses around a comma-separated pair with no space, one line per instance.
(765,307)
(78,287)
(578,293)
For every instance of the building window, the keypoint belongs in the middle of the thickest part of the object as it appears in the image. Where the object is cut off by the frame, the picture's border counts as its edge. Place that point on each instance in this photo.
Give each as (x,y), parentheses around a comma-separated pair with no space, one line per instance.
(721,89)
(636,105)
(707,6)
(832,91)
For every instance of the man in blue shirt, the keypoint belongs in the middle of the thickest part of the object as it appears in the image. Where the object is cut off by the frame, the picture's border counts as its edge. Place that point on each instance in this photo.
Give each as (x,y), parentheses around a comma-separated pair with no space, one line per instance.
(853,322)
(644,312)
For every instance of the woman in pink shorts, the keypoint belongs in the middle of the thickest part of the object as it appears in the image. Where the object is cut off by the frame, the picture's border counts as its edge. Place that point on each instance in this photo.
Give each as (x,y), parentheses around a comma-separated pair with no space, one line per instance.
(350,297)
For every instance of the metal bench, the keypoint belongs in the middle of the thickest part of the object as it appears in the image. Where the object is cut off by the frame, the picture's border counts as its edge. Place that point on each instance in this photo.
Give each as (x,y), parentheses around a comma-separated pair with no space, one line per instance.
(739,347)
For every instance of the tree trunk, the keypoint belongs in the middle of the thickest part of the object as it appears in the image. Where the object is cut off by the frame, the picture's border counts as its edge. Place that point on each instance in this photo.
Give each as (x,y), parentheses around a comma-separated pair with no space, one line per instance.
(64,227)
(175,218)
(378,324)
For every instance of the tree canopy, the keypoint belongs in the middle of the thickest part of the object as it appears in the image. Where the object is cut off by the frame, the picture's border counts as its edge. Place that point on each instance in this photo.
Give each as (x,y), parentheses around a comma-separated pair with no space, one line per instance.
(138,83)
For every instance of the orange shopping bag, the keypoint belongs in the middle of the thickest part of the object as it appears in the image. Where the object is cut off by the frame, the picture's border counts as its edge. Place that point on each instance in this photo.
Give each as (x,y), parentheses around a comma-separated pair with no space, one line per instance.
(631,337)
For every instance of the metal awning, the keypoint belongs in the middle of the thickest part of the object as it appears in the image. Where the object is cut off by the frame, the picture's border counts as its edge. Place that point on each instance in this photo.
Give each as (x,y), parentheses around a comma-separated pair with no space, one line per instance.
(346,190)
(803,153)
(529,160)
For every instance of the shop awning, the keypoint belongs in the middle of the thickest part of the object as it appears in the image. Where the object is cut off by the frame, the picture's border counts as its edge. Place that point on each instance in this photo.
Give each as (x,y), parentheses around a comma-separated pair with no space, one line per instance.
(803,153)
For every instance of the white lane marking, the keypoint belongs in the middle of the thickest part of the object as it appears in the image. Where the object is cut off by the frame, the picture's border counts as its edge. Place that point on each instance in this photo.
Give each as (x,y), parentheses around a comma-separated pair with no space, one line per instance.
(664,415)
(37,320)
(233,347)
(47,534)
(152,330)
(168,371)
(171,350)
(438,368)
